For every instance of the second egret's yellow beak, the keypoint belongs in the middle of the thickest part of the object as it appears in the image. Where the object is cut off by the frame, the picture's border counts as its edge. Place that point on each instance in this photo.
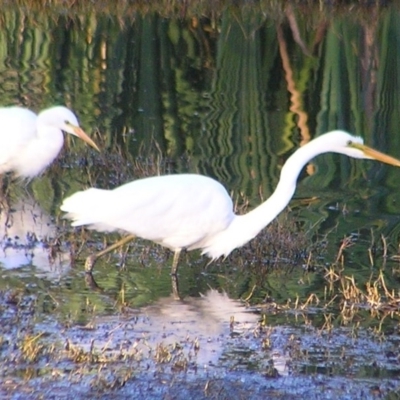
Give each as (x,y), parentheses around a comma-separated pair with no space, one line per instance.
(376,155)
(81,134)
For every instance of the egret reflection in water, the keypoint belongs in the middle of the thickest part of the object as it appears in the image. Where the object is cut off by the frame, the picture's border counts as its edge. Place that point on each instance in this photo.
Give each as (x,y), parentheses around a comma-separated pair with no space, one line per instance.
(221,327)
(26,234)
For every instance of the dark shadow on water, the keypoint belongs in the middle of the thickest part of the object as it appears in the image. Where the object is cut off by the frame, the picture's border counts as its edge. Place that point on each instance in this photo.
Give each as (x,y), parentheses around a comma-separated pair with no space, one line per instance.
(92,285)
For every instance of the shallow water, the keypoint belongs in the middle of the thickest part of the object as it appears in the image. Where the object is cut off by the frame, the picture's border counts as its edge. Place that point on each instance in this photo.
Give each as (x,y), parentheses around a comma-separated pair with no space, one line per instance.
(209,346)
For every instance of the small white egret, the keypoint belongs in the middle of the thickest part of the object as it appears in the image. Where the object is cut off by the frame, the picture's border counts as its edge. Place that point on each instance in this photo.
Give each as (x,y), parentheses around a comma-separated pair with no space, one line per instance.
(30,142)
(190,211)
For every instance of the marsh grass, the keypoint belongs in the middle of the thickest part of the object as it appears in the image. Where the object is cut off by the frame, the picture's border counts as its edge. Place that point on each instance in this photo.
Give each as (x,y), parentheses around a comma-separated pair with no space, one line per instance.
(282,244)
(117,166)
(31,347)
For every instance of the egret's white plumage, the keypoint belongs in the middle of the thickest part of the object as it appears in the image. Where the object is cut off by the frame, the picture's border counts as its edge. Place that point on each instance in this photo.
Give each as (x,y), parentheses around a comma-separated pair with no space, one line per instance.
(30,142)
(195,212)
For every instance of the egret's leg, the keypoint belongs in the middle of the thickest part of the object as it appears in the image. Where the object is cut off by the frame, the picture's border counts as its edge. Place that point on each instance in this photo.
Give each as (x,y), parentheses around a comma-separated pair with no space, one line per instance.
(91,260)
(174,268)
(175,287)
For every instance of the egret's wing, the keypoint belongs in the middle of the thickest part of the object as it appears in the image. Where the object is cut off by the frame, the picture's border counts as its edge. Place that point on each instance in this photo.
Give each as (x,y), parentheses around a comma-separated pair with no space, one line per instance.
(175,210)
(17,127)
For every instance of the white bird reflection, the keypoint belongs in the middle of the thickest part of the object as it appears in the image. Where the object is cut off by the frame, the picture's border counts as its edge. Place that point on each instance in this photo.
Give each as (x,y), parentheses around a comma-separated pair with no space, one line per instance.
(25,233)
(222,328)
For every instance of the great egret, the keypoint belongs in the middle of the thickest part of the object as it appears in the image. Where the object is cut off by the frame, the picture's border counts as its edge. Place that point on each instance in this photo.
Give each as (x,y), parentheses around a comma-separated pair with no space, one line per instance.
(30,142)
(191,211)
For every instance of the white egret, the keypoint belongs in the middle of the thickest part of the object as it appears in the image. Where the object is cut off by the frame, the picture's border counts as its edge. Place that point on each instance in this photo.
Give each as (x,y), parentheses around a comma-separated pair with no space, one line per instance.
(30,142)
(190,211)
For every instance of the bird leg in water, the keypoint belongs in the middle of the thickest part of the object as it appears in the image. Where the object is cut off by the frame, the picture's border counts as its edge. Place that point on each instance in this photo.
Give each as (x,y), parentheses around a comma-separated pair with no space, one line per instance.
(91,260)
(174,267)
(175,287)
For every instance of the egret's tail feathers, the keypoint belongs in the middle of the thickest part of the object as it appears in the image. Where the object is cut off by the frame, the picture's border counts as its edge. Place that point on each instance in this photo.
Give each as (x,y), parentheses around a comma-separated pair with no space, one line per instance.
(87,207)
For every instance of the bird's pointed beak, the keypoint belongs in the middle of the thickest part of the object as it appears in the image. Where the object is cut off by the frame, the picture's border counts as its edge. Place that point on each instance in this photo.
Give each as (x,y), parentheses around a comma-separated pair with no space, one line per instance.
(81,134)
(376,155)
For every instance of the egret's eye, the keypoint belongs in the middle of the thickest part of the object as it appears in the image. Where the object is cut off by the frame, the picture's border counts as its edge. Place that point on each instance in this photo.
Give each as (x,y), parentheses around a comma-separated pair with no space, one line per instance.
(349,143)
(67,122)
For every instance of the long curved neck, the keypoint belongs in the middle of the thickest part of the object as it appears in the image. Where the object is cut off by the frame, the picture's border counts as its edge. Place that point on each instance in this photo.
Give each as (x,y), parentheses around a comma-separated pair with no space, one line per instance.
(243,228)
(262,215)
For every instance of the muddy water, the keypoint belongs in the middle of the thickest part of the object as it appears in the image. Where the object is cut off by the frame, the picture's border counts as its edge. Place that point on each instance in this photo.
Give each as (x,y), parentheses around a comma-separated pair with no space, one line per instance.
(209,346)
(133,333)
